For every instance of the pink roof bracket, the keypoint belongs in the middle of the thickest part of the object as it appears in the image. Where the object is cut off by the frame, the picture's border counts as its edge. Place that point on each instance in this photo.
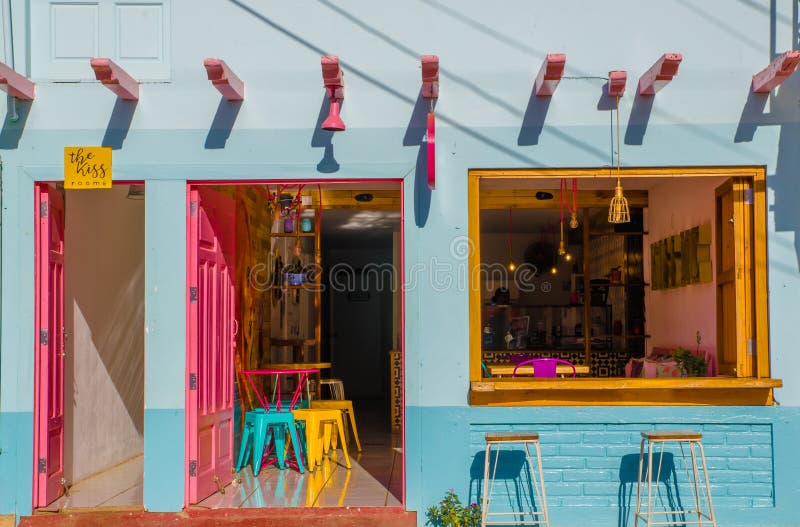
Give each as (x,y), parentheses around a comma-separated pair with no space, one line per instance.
(778,71)
(15,84)
(430,77)
(115,79)
(659,73)
(616,83)
(224,79)
(550,74)
(332,76)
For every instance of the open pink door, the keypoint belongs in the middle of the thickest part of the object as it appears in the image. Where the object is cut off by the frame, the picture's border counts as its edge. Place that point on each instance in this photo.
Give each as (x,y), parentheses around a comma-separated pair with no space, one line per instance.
(48,434)
(211,342)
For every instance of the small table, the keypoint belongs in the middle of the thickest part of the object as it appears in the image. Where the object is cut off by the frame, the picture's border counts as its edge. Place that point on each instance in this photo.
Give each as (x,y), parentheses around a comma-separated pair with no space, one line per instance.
(498,370)
(302,374)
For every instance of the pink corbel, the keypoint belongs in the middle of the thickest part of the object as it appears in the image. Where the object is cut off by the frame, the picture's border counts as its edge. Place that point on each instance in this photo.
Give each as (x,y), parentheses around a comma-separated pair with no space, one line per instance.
(778,71)
(660,73)
(616,83)
(15,84)
(115,79)
(430,77)
(332,76)
(550,74)
(430,92)
(224,79)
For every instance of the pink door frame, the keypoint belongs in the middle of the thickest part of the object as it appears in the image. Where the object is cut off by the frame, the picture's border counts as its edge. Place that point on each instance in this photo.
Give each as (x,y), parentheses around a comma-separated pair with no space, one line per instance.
(48,433)
(343,182)
(210,328)
(47,488)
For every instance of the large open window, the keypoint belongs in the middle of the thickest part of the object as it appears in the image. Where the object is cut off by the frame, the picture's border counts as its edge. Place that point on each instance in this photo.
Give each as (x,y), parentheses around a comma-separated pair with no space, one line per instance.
(667,308)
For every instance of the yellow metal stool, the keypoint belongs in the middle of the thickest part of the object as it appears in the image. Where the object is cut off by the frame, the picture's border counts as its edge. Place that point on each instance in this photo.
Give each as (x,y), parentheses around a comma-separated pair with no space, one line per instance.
(345,406)
(527,439)
(694,441)
(319,429)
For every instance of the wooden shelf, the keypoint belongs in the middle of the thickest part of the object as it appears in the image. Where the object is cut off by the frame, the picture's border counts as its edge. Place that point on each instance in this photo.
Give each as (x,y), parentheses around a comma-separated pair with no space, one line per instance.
(637,233)
(291,234)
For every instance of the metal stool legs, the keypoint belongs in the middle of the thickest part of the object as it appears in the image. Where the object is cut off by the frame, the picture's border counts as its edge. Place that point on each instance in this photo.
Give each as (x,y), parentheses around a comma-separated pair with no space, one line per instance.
(694,441)
(527,439)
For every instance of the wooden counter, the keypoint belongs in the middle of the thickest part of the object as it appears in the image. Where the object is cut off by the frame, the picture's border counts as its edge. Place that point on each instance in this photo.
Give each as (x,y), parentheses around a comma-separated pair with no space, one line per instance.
(499,370)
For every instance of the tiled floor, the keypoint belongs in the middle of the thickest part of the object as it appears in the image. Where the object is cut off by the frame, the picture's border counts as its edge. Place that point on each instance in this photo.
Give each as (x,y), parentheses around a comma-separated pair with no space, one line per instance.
(375,478)
(119,486)
(329,485)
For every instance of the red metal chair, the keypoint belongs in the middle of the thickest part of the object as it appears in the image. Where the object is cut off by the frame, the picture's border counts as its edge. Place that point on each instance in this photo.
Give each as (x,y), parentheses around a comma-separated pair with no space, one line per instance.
(544,367)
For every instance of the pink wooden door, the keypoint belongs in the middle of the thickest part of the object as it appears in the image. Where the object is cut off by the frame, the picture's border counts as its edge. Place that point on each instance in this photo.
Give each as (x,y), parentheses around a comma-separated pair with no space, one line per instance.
(211,341)
(49,348)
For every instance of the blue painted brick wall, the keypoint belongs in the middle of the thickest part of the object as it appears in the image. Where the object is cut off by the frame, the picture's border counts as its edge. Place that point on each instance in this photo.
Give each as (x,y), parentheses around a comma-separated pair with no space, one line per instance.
(596,464)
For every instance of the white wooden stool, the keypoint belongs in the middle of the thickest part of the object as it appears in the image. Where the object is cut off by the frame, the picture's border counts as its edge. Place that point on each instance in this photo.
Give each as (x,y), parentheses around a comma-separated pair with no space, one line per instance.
(694,441)
(527,439)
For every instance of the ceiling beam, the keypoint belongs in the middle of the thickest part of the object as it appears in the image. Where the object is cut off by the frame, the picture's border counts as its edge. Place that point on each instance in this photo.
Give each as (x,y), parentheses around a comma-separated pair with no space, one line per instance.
(526,198)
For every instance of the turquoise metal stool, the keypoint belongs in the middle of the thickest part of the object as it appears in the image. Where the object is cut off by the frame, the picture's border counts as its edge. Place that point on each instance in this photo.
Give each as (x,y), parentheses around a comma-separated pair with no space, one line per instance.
(266,427)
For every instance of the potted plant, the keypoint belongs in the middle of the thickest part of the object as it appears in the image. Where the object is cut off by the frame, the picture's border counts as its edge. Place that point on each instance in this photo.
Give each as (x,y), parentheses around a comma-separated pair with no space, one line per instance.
(691,364)
(451,513)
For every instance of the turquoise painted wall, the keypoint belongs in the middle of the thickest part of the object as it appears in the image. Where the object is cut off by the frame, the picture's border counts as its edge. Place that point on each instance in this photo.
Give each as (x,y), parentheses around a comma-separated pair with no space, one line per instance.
(490,54)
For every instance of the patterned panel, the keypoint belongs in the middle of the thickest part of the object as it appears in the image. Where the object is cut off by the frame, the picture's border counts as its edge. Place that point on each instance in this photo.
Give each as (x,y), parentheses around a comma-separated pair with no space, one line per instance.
(396,400)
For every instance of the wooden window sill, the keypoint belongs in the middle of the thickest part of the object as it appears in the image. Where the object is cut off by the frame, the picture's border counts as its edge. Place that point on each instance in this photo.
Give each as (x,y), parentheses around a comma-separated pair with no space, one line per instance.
(692,391)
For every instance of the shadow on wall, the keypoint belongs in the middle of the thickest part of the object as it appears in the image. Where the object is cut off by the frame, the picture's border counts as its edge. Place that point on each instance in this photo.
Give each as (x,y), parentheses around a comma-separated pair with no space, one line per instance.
(324,139)
(119,124)
(628,479)
(784,113)
(511,489)
(415,136)
(12,130)
(223,122)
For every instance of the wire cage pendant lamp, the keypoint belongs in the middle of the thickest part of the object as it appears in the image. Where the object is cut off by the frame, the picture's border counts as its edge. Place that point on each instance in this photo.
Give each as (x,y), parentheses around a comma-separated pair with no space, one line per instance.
(618,210)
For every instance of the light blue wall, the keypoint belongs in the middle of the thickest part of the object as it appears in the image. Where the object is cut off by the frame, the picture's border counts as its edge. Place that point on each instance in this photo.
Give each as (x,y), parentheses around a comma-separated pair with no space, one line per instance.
(490,54)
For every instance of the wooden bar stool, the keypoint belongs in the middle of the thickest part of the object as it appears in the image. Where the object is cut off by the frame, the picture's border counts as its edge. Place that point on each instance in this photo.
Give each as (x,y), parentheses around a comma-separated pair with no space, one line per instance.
(336,387)
(527,439)
(694,440)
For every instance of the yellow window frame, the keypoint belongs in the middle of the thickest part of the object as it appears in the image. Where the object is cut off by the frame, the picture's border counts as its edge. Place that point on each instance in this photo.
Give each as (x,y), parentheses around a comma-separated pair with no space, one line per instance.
(756,390)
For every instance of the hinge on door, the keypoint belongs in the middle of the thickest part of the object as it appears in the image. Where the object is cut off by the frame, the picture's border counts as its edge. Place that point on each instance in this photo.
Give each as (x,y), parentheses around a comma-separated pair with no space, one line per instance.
(192,208)
(192,381)
(193,468)
(43,337)
(43,209)
(42,465)
(751,347)
(193,295)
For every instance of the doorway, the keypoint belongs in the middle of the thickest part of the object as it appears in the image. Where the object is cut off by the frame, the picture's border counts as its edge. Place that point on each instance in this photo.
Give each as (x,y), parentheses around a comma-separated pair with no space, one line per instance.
(89,356)
(288,240)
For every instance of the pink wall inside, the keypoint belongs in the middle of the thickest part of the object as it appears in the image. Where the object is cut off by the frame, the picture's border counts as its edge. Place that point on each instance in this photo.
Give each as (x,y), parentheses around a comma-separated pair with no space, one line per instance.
(675,315)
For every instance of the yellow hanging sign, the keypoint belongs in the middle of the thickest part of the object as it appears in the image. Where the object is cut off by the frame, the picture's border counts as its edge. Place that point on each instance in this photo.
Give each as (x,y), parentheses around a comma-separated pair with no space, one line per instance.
(87,167)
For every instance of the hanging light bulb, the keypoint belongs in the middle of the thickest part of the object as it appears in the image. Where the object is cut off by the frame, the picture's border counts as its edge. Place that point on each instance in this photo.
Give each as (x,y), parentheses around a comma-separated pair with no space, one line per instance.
(568,257)
(573,221)
(618,211)
(554,270)
(511,266)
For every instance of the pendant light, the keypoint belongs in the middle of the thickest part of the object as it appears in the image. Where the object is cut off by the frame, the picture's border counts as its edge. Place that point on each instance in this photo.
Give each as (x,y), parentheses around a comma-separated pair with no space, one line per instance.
(511,266)
(618,211)
(573,212)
